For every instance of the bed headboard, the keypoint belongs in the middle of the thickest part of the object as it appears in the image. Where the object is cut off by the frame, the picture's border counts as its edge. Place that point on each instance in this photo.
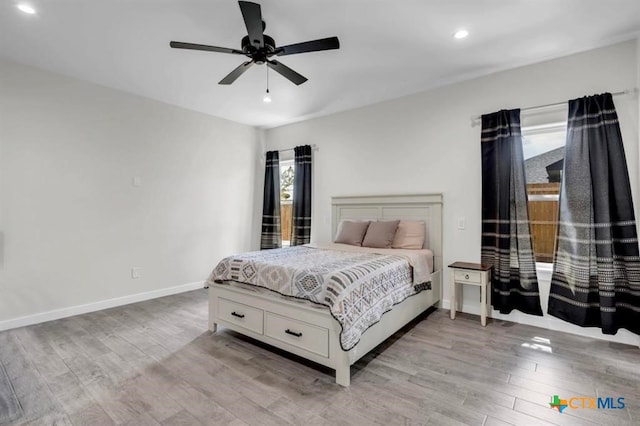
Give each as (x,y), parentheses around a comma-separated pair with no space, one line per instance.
(427,207)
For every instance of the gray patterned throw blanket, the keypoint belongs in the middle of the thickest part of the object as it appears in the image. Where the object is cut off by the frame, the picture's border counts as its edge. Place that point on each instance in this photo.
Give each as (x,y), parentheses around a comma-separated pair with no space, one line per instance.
(357,287)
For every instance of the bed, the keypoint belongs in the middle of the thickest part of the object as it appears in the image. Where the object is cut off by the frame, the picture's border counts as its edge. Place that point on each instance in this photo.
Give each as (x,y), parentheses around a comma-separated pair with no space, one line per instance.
(317,330)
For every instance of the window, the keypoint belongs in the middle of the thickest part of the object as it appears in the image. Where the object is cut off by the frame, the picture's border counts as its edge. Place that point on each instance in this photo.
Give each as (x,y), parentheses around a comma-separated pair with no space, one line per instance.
(287,171)
(543,147)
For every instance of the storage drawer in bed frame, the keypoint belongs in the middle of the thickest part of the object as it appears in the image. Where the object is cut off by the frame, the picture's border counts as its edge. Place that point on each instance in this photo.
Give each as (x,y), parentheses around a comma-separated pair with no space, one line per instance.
(305,330)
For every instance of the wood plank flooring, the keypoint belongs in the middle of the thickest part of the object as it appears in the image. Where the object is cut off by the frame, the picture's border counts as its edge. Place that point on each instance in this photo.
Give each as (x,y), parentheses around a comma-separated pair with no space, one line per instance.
(154,363)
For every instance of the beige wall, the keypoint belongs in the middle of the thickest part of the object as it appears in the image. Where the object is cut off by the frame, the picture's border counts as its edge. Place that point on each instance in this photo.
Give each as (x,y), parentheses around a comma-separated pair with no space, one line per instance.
(72,223)
(425,143)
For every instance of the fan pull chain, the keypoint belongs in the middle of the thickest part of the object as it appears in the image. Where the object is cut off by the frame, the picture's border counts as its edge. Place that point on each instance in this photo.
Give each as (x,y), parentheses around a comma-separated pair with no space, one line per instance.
(267,96)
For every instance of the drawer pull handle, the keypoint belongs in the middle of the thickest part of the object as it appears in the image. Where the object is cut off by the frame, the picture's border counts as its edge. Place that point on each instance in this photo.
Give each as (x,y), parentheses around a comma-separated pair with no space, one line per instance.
(235,314)
(293,333)
(466,277)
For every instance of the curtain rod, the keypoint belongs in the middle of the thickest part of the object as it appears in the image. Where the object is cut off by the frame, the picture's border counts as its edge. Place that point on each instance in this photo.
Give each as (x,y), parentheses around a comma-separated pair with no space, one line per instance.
(475,120)
(313,148)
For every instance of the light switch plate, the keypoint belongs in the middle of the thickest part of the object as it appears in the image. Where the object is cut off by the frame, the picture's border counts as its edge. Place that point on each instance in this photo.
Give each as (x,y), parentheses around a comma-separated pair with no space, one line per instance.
(135,272)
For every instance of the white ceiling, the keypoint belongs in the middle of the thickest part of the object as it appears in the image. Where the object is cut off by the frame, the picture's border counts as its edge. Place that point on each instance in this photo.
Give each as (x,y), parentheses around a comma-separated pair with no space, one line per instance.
(388,48)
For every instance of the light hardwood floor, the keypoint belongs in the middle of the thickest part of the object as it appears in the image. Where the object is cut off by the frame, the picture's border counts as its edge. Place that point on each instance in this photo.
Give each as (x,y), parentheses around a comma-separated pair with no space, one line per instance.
(155,363)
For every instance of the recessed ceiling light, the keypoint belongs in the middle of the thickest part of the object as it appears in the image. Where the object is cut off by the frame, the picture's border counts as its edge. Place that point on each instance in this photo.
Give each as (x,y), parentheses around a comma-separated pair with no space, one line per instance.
(461,34)
(26,8)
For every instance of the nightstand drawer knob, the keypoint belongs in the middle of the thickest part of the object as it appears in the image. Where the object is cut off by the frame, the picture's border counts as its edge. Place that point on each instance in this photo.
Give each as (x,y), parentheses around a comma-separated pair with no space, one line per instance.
(466,277)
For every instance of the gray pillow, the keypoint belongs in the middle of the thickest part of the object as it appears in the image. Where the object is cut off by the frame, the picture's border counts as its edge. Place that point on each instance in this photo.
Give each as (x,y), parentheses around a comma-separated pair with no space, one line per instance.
(351,232)
(380,234)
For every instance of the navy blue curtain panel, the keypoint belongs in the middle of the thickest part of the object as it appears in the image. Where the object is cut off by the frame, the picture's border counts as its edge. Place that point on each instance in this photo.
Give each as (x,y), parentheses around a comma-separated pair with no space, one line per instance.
(506,236)
(301,216)
(271,233)
(596,272)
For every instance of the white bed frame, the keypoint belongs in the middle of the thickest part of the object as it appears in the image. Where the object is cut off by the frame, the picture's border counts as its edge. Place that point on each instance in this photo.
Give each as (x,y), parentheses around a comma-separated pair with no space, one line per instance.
(309,330)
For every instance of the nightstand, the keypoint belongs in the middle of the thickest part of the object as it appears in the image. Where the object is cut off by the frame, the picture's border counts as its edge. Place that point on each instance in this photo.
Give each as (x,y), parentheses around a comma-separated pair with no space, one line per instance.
(470,274)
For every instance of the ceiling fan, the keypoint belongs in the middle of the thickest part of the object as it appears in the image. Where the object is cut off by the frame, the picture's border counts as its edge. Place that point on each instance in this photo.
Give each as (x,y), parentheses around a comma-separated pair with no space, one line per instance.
(260,47)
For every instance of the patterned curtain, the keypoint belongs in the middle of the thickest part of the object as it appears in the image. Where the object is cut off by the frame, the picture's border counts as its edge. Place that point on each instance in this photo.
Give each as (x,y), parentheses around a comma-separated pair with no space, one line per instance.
(596,272)
(301,216)
(506,238)
(271,234)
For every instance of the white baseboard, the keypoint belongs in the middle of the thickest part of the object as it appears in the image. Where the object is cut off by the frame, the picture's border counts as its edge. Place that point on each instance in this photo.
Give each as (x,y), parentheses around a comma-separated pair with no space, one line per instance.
(96,306)
(551,323)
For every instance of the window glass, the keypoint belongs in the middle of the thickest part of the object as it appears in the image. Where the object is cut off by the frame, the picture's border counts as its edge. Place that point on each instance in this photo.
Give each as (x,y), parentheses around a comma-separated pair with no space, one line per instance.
(543,148)
(287,171)
(286,180)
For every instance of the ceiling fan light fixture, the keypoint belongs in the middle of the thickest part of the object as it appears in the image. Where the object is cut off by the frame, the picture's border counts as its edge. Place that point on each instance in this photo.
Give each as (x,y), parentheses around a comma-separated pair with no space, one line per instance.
(267,97)
(460,34)
(23,7)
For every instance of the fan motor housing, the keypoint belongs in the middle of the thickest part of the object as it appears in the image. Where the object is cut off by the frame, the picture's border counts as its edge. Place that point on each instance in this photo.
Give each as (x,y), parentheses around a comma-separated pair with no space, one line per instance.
(259,55)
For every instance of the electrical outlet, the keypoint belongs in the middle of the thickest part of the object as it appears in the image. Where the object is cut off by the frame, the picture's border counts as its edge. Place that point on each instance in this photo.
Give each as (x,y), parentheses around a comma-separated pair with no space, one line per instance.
(136,181)
(135,272)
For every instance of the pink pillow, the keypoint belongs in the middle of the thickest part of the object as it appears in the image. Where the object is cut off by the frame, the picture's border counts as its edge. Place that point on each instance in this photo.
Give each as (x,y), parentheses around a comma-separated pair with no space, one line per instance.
(410,235)
(351,232)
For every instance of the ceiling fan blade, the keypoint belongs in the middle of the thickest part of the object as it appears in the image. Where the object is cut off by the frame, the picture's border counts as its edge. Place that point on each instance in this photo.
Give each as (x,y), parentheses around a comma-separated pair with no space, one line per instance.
(233,75)
(192,46)
(309,46)
(252,15)
(287,72)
